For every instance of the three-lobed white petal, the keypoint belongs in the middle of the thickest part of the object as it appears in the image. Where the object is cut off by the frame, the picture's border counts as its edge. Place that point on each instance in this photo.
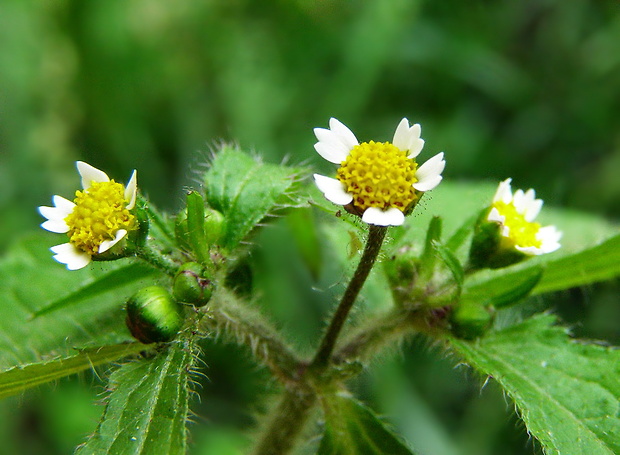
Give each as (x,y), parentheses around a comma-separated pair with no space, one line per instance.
(336,142)
(429,174)
(389,217)
(90,174)
(56,215)
(71,256)
(407,138)
(333,189)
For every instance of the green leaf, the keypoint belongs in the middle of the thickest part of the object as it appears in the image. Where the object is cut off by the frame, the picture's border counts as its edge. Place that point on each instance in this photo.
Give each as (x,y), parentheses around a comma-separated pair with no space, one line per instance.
(147,407)
(599,263)
(74,308)
(352,429)
(18,379)
(246,191)
(567,392)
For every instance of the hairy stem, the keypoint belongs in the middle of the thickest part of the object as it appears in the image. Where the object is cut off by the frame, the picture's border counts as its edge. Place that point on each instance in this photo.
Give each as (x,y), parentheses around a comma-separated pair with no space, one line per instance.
(157,259)
(287,422)
(244,325)
(376,234)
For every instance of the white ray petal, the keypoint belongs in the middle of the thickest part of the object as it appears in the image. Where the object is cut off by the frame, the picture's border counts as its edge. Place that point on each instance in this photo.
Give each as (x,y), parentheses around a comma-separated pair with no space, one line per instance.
(63,204)
(389,217)
(68,254)
(59,227)
(333,190)
(494,215)
(503,193)
(335,143)
(90,174)
(429,174)
(334,154)
(131,190)
(107,244)
(407,138)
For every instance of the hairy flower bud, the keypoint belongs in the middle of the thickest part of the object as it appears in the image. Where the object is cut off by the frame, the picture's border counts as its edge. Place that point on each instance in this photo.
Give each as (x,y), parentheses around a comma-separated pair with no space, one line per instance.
(152,315)
(191,285)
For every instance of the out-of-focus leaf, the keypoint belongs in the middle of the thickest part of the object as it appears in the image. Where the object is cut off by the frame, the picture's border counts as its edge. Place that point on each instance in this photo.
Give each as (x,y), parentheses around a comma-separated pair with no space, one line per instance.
(246,191)
(352,429)
(567,392)
(599,263)
(147,407)
(429,253)
(18,379)
(87,303)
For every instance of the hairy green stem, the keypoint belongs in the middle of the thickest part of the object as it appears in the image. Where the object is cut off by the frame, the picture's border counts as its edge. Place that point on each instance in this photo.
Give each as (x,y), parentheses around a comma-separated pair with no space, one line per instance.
(287,422)
(157,259)
(226,315)
(376,234)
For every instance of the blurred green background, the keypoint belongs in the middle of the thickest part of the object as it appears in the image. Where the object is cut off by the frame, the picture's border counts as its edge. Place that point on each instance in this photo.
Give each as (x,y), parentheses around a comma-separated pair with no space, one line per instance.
(529,90)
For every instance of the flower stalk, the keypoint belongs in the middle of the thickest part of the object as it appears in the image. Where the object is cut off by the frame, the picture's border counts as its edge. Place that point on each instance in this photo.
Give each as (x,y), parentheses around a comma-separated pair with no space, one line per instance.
(376,235)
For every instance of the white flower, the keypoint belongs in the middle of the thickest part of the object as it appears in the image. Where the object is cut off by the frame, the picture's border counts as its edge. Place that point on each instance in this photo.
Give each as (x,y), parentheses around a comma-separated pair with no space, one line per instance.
(95,221)
(516,214)
(381,182)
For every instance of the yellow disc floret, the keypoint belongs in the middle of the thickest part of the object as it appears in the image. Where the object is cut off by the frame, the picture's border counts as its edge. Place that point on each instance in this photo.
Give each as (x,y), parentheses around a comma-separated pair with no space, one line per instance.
(379,175)
(521,232)
(100,211)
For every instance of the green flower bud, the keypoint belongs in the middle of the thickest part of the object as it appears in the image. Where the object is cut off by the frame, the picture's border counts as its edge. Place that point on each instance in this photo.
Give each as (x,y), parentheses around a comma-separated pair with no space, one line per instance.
(191,286)
(213,227)
(471,319)
(152,315)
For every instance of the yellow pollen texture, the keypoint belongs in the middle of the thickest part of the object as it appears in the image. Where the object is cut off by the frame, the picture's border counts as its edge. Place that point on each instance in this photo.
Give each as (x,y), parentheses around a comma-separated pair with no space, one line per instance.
(98,214)
(521,232)
(379,174)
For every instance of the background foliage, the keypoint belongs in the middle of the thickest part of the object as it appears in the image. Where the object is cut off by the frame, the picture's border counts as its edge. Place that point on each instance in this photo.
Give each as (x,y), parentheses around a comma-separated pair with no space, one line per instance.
(521,89)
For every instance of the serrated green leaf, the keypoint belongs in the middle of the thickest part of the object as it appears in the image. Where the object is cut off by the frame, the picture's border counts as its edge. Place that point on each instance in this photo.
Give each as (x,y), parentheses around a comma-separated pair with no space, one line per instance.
(18,379)
(148,406)
(246,191)
(87,303)
(353,429)
(599,263)
(567,392)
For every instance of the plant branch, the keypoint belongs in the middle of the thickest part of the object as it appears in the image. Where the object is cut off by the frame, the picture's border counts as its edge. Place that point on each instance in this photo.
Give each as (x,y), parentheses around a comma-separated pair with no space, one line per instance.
(157,259)
(376,234)
(246,326)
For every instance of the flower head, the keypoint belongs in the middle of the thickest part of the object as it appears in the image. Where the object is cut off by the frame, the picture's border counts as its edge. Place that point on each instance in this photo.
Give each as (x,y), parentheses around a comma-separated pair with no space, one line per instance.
(507,233)
(516,213)
(379,181)
(98,218)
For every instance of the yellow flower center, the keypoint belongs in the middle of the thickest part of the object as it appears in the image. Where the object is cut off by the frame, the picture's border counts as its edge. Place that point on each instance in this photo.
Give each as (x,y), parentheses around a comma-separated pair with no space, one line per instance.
(100,211)
(379,175)
(520,231)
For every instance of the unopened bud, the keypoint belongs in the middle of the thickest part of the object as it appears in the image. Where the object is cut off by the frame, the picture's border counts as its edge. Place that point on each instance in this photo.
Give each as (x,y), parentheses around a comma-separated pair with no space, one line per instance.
(191,285)
(471,319)
(152,315)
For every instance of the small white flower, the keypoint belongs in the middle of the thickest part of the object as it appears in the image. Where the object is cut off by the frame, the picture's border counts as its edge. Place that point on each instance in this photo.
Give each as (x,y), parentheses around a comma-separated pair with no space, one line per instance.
(95,221)
(516,214)
(381,182)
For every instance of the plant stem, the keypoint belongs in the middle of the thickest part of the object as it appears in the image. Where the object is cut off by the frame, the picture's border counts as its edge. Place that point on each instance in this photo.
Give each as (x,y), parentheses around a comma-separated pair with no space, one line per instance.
(228,316)
(376,234)
(156,259)
(287,422)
